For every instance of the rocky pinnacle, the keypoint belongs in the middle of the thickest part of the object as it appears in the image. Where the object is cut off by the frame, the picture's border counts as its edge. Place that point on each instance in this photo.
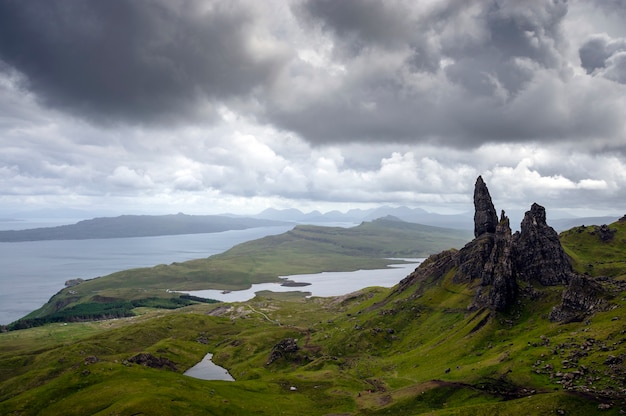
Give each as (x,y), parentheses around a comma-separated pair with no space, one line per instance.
(485,217)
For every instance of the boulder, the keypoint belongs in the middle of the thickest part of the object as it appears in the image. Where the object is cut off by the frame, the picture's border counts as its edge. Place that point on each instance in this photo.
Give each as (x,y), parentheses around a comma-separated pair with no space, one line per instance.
(284,349)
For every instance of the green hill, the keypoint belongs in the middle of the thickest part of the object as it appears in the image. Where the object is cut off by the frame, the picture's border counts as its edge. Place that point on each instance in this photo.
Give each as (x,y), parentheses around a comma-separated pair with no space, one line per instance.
(304,249)
(413,349)
(597,250)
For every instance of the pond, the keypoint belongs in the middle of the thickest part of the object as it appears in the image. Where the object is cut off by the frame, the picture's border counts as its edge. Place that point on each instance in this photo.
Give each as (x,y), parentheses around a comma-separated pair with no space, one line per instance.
(208,370)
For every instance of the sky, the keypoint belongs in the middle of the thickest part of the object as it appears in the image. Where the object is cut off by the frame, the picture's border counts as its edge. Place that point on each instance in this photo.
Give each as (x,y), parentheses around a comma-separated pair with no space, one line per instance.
(206,107)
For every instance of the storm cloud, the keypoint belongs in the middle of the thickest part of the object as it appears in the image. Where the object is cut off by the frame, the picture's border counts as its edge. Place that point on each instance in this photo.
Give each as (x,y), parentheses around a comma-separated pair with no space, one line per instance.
(238,104)
(145,61)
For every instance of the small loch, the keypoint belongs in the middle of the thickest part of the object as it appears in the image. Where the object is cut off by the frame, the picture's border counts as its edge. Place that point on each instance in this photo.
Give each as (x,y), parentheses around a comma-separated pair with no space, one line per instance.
(207,370)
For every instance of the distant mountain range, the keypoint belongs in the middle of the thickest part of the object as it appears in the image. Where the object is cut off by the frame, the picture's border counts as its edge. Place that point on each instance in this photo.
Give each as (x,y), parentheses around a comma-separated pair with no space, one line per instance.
(137,226)
(153,225)
(416,215)
(463,221)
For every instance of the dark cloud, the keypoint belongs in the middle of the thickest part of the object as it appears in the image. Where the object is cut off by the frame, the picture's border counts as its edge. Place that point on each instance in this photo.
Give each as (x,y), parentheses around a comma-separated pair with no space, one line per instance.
(358,24)
(132,60)
(513,35)
(602,55)
(456,73)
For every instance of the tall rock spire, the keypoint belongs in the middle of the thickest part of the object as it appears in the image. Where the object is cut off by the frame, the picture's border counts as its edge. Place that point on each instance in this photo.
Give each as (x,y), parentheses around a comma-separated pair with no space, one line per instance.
(538,251)
(485,217)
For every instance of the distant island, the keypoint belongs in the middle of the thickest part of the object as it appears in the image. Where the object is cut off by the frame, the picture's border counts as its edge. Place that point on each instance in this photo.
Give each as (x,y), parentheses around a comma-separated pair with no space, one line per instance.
(126,226)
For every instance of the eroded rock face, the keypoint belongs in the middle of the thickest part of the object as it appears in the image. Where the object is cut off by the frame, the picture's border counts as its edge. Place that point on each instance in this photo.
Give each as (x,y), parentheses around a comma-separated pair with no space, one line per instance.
(471,259)
(538,254)
(434,267)
(582,297)
(498,271)
(496,259)
(485,217)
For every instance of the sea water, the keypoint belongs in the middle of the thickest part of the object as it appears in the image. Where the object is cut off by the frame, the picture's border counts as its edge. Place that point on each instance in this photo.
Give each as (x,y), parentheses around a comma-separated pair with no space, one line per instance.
(33,271)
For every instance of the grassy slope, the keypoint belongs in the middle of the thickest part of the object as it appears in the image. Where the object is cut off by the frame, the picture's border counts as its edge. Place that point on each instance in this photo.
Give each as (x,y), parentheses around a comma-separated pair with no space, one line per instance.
(592,255)
(305,249)
(372,353)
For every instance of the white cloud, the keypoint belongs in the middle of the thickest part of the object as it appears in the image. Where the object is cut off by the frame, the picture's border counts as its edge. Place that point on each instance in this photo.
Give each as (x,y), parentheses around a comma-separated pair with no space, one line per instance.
(125,177)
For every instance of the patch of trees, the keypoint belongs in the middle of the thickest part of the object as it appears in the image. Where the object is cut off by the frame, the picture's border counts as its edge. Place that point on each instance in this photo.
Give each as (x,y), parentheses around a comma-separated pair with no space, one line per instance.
(94,311)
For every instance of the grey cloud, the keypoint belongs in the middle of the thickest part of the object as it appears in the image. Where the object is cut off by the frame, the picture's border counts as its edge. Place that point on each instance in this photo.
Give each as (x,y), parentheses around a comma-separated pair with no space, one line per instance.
(360,23)
(604,56)
(463,66)
(616,67)
(454,73)
(513,33)
(146,61)
(595,52)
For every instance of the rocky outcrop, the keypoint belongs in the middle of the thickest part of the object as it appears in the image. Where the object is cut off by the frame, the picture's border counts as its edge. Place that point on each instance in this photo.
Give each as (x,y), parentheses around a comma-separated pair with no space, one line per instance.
(538,253)
(149,360)
(434,267)
(604,232)
(284,349)
(498,272)
(582,297)
(496,262)
(485,217)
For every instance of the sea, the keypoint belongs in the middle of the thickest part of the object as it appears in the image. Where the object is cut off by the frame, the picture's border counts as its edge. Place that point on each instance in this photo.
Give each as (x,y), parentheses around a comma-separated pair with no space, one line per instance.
(32,272)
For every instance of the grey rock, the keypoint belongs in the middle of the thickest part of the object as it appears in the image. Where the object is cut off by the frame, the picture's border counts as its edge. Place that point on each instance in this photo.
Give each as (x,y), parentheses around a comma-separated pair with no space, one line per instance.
(283,349)
(538,253)
(485,217)
(581,297)
(496,260)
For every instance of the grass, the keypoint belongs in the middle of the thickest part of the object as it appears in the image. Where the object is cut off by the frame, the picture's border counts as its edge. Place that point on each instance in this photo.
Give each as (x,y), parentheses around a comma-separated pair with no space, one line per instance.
(375,352)
(348,361)
(593,255)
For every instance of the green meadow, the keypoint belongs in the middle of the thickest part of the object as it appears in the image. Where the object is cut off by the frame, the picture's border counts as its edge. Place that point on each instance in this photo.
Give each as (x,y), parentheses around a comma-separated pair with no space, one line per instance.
(374,352)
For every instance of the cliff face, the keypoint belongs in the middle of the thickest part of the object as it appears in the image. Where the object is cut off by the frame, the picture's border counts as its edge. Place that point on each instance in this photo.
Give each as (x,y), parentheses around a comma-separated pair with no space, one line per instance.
(497,261)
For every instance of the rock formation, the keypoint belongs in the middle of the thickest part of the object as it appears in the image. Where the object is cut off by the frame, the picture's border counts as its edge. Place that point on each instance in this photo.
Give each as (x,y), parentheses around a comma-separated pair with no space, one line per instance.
(485,217)
(496,262)
(538,252)
(149,360)
(581,297)
(498,270)
(284,349)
